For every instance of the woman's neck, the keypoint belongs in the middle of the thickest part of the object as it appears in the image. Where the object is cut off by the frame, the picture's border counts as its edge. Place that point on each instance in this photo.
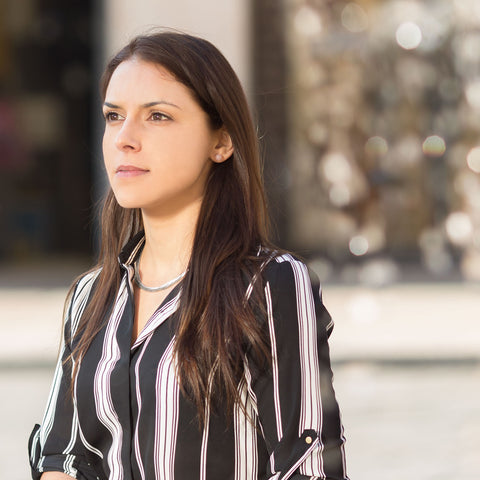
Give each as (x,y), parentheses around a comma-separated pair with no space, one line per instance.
(168,245)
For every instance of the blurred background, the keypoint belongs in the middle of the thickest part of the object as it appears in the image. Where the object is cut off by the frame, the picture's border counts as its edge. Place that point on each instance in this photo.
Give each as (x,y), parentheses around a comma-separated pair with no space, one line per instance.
(369,115)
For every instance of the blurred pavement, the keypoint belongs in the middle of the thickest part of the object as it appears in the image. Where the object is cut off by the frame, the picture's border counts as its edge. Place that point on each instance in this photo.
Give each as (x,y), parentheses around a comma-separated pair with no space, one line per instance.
(406,361)
(398,323)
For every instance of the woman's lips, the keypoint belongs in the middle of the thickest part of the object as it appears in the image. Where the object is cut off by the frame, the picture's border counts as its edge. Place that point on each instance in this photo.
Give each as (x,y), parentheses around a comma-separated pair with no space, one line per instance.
(130,171)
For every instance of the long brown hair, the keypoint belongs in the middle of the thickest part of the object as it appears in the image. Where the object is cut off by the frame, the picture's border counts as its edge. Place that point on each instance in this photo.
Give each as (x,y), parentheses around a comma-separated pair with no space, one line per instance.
(216,326)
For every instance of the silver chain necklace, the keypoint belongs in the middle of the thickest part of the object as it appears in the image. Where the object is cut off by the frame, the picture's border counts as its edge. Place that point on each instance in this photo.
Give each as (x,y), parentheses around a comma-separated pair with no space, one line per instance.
(164,286)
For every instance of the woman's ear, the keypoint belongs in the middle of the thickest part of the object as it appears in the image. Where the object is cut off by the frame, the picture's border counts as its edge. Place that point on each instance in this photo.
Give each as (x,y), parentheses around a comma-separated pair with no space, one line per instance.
(224,147)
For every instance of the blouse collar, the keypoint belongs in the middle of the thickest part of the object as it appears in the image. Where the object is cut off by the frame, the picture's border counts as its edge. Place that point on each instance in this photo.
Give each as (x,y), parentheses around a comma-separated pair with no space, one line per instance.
(131,249)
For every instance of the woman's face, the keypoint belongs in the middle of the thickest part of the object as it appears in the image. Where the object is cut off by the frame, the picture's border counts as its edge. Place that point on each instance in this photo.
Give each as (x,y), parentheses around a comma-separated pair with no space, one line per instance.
(158,145)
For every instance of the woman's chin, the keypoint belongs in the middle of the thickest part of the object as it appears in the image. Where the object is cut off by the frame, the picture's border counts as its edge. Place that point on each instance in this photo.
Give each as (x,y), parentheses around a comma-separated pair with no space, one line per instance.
(128,202)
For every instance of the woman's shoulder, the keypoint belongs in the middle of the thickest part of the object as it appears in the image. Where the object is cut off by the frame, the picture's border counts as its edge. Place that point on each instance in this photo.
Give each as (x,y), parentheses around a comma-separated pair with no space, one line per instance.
(83,286)
(77,299)
(283,268)
(87,279)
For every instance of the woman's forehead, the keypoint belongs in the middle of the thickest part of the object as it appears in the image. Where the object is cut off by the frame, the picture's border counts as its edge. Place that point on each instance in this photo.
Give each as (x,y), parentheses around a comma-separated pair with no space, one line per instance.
(139,79)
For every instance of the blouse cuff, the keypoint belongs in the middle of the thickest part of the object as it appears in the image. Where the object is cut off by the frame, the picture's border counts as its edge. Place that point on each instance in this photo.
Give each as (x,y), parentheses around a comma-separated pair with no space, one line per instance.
(50,463)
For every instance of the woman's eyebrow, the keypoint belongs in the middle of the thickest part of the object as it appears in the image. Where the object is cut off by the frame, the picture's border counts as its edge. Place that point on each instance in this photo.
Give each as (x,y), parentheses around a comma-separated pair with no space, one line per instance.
(159,102)
(110,105)
(145,105)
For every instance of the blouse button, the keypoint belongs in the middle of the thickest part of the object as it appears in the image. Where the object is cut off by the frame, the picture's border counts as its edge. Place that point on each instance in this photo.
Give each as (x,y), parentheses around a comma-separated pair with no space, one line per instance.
(308,440)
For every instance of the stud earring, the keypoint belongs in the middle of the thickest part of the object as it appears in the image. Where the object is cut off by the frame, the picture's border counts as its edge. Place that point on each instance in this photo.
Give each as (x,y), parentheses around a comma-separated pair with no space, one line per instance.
(218,157)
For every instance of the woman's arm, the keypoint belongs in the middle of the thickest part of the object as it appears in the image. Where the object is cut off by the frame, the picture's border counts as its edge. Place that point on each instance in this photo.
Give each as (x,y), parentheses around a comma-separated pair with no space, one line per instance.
(51,445)
(56,476)
(297,408)
(55,449)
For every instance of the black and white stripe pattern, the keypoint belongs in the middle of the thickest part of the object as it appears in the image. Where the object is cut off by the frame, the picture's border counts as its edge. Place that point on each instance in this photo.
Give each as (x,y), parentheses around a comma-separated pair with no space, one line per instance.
(105,410)
(130,421)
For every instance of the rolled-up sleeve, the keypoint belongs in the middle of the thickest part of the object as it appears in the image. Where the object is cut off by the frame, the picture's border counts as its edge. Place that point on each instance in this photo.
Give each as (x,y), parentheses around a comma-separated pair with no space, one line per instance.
(55,444)
(297,409)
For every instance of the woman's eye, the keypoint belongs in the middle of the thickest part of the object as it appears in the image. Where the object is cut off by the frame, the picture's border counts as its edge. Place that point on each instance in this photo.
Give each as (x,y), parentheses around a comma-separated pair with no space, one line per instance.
(159,117)
(111,116)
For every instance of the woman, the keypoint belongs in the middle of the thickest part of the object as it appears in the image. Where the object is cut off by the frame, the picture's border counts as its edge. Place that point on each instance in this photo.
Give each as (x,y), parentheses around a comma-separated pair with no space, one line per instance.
(193,349)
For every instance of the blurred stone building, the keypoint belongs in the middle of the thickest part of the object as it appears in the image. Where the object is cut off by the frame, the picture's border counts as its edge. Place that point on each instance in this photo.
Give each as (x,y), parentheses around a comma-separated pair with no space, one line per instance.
(45,139)
(368,112)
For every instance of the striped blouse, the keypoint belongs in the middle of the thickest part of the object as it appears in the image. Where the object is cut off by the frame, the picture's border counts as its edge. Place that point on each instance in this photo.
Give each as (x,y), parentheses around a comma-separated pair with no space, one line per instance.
(128,419)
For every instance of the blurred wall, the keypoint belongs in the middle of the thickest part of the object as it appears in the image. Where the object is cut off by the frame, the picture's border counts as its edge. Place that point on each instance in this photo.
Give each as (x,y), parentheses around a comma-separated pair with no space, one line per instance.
(224,23)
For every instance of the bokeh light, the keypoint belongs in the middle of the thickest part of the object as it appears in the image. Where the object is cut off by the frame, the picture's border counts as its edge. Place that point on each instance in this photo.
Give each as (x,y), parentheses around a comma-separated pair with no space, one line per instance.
(408,35)
(336,168)
(354,18)
(459,228)
(308,21)
(473,159)
(376,146)
(434,146)
(472,93)
(358,245)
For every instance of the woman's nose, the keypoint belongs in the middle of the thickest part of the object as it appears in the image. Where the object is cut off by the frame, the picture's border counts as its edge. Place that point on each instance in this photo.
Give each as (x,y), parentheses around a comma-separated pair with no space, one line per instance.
(128,137)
